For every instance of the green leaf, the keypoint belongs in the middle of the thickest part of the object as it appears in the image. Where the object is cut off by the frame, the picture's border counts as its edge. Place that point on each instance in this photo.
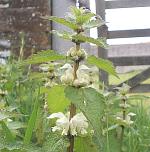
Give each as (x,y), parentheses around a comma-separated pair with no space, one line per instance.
(75,11)
(84,144)
(14,125)
(93,24)
(99,41)
(84,18)
(8,134)
(91,103)
(31,123)
(56,99)
(43,56)
(103,64)
(55,143)
(62,21)
(65,35)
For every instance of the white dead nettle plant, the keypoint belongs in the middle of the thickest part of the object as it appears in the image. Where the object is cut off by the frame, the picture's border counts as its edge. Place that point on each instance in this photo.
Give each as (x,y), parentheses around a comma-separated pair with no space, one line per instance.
(82,80)
(127,121)
(77,125)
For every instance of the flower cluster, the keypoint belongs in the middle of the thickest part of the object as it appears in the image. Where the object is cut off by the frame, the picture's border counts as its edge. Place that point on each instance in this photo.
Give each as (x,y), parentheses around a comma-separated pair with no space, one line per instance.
(127,121)
(77,125)
(77,55)
(83,78)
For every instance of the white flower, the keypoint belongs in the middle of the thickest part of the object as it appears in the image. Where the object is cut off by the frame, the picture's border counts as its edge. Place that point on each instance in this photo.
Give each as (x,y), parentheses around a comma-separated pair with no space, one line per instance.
(67,77)
(62,123)
(66,66)
(83,78)
(77,125)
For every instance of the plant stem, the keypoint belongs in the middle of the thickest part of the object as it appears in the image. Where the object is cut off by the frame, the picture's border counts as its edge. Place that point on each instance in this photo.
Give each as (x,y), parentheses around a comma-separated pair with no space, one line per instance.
(72,106)
(122,127)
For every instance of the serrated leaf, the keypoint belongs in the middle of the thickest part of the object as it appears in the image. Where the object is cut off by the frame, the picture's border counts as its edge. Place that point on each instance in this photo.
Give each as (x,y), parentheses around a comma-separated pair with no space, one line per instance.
(84,18)
(56,99)
(55,143)
(62,21)
(93,24)
(103,64)
(91,103)
(65,35)
(43,56)
(99,42)
(75,11)
(84,144)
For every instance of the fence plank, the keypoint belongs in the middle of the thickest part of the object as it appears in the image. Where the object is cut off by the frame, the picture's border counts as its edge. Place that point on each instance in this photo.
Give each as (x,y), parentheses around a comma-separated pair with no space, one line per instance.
(129,61)
(143,88)
(84,3)
(102,32)
(136,80)
(129,33)
(127,4)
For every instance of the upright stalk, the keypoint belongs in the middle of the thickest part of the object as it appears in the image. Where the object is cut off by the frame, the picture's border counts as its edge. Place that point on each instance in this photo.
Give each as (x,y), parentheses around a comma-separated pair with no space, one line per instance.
(124,118)
(72,106)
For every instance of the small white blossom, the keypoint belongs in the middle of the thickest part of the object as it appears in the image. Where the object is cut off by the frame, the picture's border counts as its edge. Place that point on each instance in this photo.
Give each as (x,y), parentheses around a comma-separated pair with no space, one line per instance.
(67,77)
(66,66)
(62,123)
(77,125)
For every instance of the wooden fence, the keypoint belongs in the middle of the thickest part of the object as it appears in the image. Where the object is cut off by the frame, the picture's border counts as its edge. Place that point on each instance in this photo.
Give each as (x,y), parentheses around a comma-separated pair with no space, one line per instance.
(136,81)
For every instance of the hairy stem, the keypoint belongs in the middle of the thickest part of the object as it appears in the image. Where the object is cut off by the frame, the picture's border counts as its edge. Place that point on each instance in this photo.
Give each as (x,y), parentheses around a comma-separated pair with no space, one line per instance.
(72,106)
(122,127)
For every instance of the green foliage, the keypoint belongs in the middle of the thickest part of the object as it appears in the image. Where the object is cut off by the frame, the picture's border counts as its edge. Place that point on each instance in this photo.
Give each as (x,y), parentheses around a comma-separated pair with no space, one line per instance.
(56,99)
(8,134)
(64,34)
(91,103)
(43,56)
(81,38)
(62,21)
(102,64)
(55,143)
(31,123)
(85,144)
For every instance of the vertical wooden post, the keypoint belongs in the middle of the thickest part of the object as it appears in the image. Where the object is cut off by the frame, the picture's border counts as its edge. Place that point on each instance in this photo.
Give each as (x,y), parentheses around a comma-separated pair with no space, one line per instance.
(102,32)
(59,8)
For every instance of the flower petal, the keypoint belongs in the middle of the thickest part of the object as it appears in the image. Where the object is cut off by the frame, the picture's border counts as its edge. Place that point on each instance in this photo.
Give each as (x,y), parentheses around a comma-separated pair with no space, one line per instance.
(56,115)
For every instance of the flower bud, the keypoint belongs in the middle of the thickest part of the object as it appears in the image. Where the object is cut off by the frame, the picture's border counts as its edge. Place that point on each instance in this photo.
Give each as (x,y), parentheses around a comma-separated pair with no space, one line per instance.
(77,55)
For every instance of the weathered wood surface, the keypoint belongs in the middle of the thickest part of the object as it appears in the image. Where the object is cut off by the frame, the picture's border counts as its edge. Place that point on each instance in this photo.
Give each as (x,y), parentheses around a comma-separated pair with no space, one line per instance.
(129,61)
(102,32)
(136,80)
(127,4)
(129,33)
(84,3)
(143,88)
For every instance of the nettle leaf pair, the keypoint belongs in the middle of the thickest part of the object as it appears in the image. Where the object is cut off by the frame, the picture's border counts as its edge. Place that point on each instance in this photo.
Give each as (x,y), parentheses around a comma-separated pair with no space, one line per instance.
(72,87)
